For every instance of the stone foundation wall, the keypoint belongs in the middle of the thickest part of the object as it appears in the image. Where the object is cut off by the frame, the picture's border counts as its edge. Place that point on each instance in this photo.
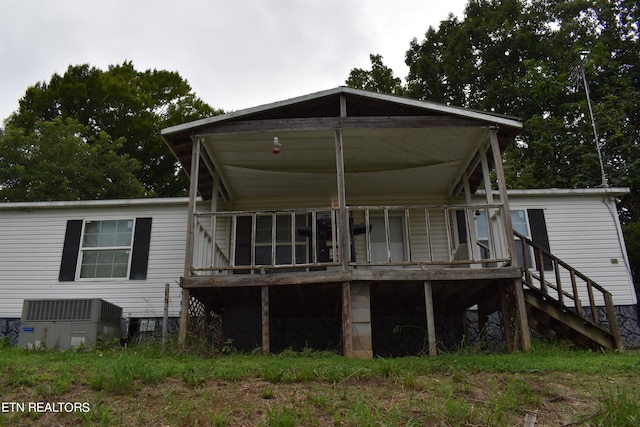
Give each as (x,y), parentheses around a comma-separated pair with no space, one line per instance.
(10,329)
(493,334)
(398,334)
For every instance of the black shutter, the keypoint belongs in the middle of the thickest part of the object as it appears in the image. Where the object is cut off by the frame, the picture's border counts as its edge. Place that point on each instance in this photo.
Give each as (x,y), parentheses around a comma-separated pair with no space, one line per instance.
(70,250)
(539,235)
(141,243)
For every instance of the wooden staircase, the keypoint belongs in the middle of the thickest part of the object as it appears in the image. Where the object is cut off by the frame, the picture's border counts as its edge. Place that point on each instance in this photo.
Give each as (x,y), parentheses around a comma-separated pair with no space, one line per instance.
(555,310)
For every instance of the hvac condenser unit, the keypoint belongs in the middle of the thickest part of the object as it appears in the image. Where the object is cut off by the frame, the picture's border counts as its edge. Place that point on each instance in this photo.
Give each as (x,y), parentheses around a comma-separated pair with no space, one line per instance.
(67,323)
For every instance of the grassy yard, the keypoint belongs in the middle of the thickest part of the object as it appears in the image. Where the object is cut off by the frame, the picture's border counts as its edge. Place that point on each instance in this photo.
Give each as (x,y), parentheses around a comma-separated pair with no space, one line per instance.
(141,385)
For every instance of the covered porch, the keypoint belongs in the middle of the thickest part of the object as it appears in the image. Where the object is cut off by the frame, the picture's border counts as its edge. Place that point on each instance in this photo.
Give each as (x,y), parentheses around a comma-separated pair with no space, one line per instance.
(352,200)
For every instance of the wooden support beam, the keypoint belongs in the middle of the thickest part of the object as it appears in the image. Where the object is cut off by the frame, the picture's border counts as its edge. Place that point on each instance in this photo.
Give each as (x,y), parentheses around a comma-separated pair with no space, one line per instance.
(184,317)
(521,314)
(332,123)
(347,343)
(343,215)
(353,275)
(193,194)
(521,317)
(431,322)
(506,317)
(265,321)
(191,224)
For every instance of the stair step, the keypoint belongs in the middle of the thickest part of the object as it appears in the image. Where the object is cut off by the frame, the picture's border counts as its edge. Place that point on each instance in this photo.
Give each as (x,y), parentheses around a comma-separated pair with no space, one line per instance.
(546,315)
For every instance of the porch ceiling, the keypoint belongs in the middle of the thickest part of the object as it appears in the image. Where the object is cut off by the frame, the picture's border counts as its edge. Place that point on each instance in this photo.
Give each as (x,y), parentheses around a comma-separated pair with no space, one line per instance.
(391,146)
(376,161)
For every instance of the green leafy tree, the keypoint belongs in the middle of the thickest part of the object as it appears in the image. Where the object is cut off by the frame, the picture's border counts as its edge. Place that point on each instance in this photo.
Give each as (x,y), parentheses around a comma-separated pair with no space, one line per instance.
(379,79)
(517,57)
(128,106)
(54,161)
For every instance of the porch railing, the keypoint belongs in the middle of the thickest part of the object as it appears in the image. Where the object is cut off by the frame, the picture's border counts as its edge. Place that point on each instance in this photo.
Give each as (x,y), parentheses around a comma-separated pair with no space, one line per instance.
(560,281)
(307,239)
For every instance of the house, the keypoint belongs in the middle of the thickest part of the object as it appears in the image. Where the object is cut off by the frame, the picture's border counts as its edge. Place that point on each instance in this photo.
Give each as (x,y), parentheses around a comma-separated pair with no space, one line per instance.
(334,213)
(340,220)
(581,227)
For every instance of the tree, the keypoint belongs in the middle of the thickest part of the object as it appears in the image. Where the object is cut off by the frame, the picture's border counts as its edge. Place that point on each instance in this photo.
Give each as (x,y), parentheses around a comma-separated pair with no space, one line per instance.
(379,79)
(125,105)
(516,57)
(54,161)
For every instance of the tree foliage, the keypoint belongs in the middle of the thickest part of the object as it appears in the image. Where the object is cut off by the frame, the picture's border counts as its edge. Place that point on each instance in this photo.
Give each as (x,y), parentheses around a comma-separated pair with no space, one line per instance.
(54,161)
(123,106)
(379,79)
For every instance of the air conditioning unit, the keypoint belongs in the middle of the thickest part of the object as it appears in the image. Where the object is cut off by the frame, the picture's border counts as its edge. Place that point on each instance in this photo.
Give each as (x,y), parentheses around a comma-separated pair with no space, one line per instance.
(67,323)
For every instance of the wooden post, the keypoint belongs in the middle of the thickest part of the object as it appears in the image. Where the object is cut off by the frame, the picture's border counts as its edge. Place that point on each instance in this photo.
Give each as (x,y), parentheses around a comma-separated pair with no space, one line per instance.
(188,261)
(347,343)
(265,320)
(521,313)
(214,221)
(613,321)
(343,216)
(506,317)
(431,323)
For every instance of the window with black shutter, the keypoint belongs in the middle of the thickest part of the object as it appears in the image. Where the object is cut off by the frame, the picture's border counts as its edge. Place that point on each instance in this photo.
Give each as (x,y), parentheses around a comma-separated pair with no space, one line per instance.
(106,249)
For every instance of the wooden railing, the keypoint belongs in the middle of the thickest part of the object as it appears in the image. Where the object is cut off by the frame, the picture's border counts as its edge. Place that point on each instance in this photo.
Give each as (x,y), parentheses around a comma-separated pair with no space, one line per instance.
(307,239)
(558,280)
(206,251)
(421,236)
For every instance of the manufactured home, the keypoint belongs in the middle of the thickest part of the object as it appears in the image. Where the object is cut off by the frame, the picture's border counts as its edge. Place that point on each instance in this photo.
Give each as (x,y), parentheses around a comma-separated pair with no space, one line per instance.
(341,220)
(580,226)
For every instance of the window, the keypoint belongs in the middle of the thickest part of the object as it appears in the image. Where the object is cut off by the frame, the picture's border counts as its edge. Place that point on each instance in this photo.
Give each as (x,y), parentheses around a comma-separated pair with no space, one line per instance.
(106,249)
(283,240)
(531,224)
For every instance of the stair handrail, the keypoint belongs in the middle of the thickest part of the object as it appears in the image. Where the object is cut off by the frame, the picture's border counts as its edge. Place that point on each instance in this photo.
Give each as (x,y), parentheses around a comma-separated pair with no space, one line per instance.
(540,253)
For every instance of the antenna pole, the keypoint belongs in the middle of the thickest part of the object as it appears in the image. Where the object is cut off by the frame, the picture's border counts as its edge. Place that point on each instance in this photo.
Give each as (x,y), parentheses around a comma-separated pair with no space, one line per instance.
(604,184)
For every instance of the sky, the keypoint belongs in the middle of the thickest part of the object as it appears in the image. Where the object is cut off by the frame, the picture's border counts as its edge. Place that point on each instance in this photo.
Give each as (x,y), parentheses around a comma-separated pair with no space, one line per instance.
(235,54)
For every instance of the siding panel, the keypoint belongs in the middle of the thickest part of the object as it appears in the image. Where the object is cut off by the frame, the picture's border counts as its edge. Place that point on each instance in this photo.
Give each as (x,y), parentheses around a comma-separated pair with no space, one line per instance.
(31,243)
(583,232)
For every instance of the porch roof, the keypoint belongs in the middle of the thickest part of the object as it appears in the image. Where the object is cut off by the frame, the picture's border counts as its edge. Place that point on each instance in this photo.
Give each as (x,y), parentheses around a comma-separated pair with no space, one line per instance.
(391,145)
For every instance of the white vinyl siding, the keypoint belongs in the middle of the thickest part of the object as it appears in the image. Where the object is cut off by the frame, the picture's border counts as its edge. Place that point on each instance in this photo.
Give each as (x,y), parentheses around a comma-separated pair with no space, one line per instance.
(583,232)
(31,242)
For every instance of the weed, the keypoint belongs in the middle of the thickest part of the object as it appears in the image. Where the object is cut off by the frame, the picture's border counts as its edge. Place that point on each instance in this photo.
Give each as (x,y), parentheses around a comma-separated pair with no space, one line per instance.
(220,419)
(281,417)
(619,407)
(268,393)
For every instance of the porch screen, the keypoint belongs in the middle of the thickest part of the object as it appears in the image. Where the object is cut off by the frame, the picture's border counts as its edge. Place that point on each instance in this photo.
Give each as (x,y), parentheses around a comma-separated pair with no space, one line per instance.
(379,252)
(284,242)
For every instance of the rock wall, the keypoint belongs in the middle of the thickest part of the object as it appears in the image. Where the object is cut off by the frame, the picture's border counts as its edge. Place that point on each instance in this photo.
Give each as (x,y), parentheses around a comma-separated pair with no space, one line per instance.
(398,334)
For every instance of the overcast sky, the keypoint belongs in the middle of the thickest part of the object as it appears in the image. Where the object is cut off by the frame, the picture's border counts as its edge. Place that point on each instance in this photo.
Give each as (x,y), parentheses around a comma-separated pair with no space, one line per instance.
(235,54)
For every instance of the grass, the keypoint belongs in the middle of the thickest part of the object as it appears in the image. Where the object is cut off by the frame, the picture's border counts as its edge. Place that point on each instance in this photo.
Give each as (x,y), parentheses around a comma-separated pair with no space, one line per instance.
(141,385)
